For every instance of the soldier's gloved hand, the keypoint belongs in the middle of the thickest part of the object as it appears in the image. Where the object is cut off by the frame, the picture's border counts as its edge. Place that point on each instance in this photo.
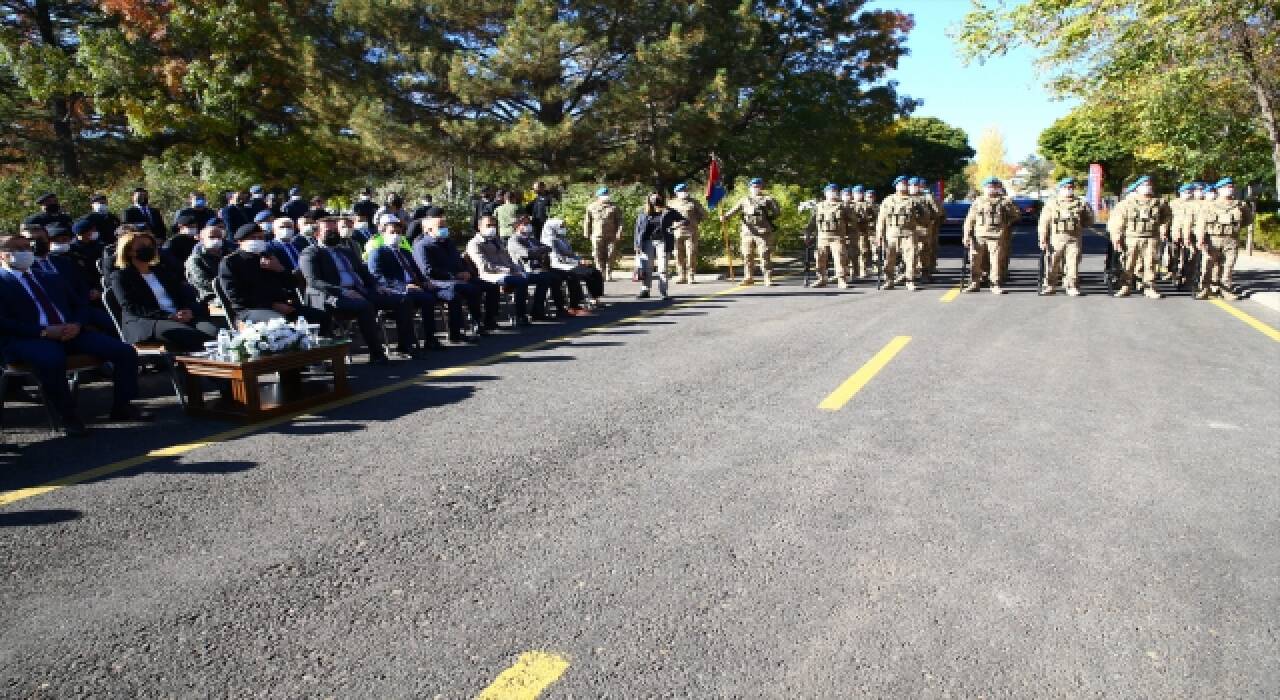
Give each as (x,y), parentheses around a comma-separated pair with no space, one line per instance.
(1044,245)
(1118,247)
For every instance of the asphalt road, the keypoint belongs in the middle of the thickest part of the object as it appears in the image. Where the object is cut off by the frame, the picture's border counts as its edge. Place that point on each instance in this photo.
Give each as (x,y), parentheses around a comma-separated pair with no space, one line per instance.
(1035,497)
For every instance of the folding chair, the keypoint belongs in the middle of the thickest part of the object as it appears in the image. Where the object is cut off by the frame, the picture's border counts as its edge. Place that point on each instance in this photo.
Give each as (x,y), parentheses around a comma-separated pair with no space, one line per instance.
(153,351)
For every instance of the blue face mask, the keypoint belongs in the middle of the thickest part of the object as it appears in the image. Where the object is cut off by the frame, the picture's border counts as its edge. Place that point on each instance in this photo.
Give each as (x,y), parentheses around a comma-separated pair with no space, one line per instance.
(266,226)
(442,233)
(200,203)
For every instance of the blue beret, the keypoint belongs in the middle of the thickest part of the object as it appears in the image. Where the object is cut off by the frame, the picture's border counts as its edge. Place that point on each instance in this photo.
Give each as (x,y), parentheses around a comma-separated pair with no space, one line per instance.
(870,191)
(899,180)
(602,191)
(1197,185)
(831,187)
(1223,183)
(82,225)
(991,181)
(847,190)
(1186,187)
(681,188)
(1066,181)
(263,216)
(1210,188)
(256,189)
(1142,180)
(295,191)
(858,188)
(913,181)
(755,181)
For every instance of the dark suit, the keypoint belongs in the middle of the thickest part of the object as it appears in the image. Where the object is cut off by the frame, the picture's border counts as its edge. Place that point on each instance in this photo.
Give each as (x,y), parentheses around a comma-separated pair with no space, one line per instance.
(251,291)
(365,208)
(21,341)
(234,216)
(106,224)
(179,247)
(395,269)
(440,260)
(201,216)
(324,285)
(142,319)
(150,217)
(68,270)
(295,208)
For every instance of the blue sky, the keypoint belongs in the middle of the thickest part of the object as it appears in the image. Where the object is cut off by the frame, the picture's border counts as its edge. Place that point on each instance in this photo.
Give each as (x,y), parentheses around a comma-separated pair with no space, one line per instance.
(1005,92)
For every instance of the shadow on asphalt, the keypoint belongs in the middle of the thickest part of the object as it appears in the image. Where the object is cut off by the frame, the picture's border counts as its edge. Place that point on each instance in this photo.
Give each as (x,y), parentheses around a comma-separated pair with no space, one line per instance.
(31,518)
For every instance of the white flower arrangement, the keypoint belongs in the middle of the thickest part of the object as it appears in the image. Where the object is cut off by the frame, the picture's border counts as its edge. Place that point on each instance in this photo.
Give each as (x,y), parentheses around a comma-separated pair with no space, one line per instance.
(269,338)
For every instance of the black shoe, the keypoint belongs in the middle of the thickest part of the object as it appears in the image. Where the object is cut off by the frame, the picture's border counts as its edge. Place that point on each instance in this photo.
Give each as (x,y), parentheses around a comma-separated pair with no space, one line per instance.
(129,412)
(644,294)
(379,360)
(433,345)
(523,321)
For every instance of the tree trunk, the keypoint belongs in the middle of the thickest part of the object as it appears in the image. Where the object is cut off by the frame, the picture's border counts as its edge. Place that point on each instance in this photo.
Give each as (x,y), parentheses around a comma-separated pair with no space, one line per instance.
(59,105)
(1266,101)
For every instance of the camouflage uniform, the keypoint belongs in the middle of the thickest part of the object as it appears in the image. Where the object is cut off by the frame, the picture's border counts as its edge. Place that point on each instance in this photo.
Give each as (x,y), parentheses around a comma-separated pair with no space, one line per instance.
(1062,225)
(602,224)
(687,237)
(833,223)
(927,232)
(1218,230)
(756,233)
(1140,222)
(1181,233)
(984,228)
(899,217)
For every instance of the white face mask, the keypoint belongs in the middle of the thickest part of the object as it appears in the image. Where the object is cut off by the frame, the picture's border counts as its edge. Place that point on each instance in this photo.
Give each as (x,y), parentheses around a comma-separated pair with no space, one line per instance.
(391,239)
(308,229)
(22,260)
(1227,192)
(756,191)
(1146,190)
(213,244)
(489,232)
(682,195)
(605,198)
(59,247)
(344,232)
(99,207)
(284,233)
(526,230)
(257,247)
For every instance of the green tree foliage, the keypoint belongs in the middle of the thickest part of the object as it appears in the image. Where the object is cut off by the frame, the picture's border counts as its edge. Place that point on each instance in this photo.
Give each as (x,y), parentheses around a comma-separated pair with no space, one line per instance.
(1197,82)
(931,148)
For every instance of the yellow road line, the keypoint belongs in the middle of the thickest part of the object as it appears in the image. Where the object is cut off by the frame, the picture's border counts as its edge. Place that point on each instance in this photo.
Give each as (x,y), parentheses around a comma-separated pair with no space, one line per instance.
(854,384)
(11,497)
(1261,327)
(951,294)
(527,677)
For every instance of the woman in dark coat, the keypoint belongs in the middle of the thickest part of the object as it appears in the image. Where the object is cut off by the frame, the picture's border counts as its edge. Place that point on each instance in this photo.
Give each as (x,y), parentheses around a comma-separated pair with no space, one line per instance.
(655,240)
(156,303)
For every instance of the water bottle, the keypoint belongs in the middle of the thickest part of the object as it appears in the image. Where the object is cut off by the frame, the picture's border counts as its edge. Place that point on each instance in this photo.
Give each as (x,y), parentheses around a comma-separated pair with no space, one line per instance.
(224,344)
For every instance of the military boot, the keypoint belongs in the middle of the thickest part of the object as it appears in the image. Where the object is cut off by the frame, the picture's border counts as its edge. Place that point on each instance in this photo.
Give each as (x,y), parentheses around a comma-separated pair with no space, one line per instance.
(1228,294)
(1203,294)
(1049,290)
(768,280)
(997,289)
(822,282)
(842,283)
(1073,292)
(973,287)
(911,286)
(1124,291)
(1151,293)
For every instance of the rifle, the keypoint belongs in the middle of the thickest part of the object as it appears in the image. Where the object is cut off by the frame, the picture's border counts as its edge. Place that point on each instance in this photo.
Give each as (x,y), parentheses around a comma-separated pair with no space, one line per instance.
(810,248)
(964,263)
(880,271)
(1113,267)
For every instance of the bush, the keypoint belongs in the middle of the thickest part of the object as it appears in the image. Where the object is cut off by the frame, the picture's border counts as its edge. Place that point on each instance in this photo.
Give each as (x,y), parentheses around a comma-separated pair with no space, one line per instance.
(1266,233)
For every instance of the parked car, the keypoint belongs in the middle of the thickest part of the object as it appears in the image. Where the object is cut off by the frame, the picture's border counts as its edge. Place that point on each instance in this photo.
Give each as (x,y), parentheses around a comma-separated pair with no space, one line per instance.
(1030,209)
(953,214)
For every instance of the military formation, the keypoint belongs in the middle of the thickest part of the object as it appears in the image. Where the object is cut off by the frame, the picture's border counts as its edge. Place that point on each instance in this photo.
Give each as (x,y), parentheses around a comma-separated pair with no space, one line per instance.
(1192,239)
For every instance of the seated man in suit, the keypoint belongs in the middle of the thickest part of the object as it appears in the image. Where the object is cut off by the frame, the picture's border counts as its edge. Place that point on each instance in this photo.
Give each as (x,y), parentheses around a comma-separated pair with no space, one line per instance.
(41,323)
(534,259)
(202,266)
(156,303)
(394,269)
(341,281)
(440,261)
(497,268)
(257,285)
(89,297)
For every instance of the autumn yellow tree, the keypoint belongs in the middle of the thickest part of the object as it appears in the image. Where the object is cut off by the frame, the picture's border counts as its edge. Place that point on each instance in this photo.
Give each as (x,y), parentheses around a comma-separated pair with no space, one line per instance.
(990,159)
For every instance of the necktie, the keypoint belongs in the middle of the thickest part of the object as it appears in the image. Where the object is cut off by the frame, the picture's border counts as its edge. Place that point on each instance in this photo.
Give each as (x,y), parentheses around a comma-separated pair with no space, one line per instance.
(48,266)
(54,317)
(346,266)
(288,250)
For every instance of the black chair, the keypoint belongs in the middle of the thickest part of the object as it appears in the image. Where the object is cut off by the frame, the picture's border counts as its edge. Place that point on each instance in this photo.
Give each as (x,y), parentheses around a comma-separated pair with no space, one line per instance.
(227,309)
(153,352)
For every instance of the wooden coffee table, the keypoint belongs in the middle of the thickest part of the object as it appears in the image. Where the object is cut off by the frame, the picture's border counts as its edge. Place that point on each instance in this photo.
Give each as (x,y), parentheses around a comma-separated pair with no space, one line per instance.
(252,400)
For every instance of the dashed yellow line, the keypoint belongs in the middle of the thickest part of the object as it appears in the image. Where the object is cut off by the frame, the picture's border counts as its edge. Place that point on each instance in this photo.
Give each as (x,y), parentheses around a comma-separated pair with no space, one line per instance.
(851,386)
(527,677)
(951,294)
(1261,327)
(11,497)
